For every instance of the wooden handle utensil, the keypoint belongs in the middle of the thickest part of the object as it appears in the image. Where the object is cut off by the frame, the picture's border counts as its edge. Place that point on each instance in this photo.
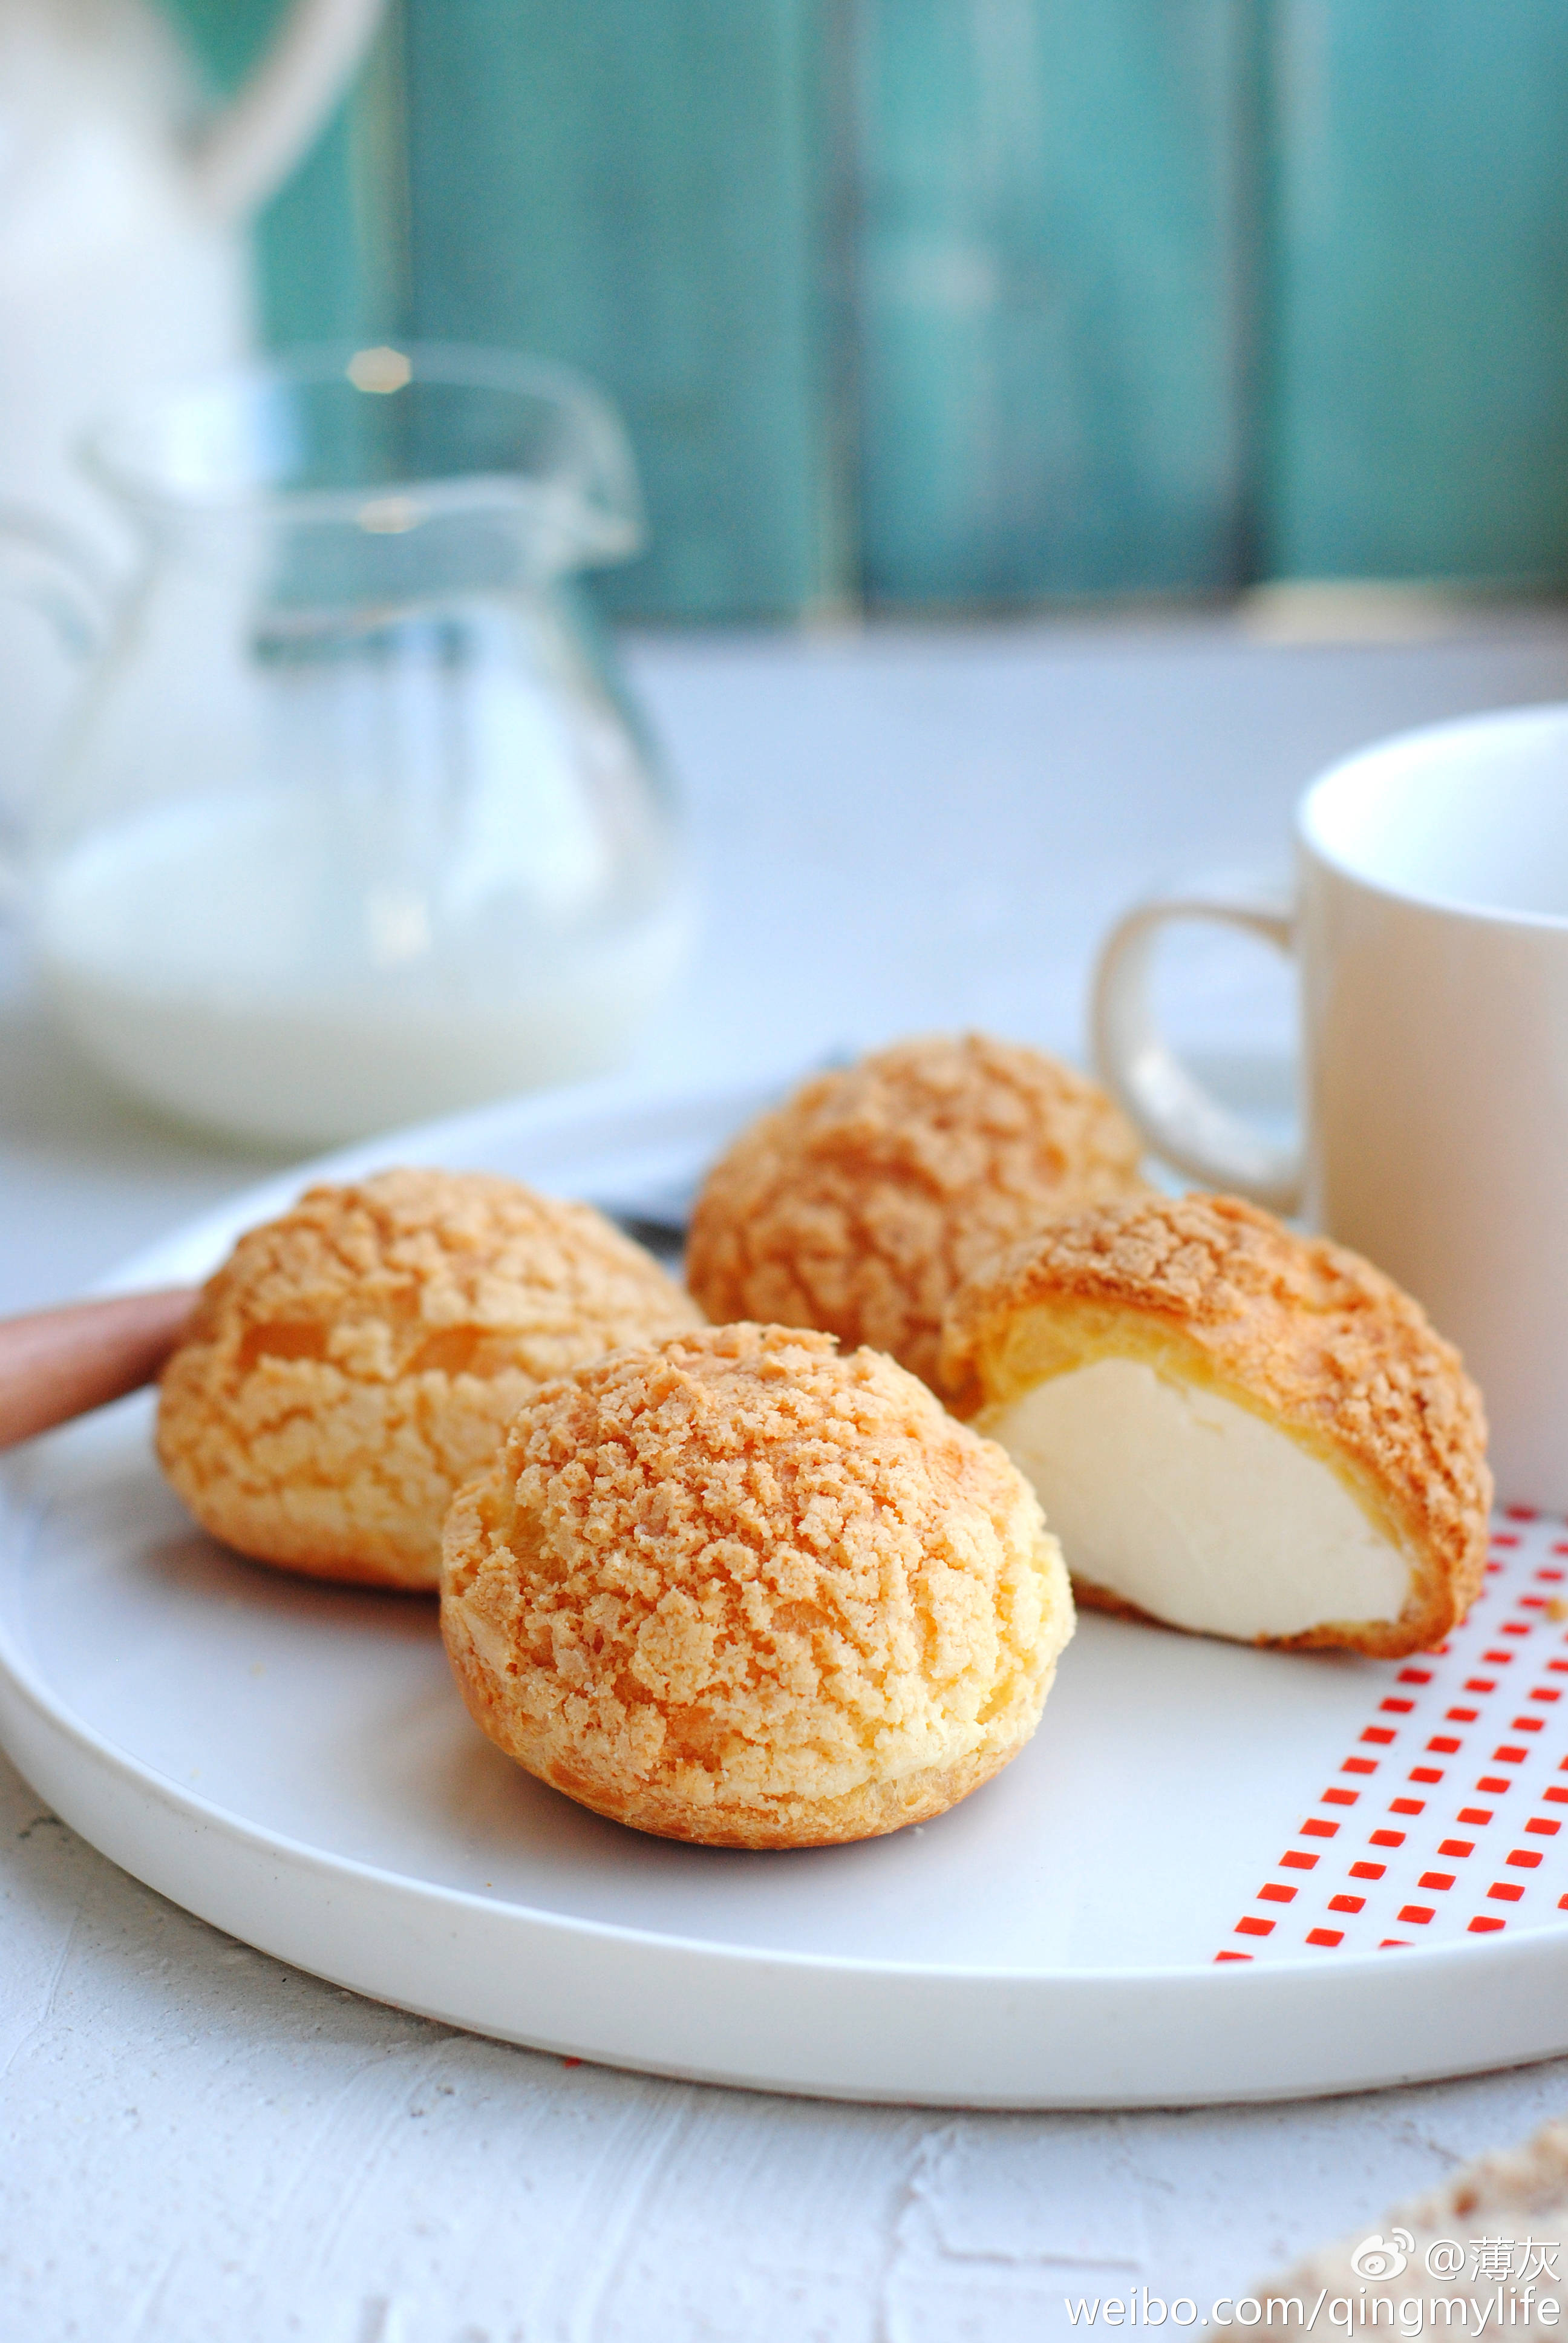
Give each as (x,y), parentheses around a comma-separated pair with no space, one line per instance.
(57,1363)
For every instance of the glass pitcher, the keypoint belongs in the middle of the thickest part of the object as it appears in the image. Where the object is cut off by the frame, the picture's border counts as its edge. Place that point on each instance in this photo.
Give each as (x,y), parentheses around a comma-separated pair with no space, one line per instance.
(353,823)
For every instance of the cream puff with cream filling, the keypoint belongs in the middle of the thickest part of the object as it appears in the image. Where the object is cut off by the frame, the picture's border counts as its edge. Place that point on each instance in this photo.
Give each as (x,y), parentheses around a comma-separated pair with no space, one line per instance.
(1231,1428)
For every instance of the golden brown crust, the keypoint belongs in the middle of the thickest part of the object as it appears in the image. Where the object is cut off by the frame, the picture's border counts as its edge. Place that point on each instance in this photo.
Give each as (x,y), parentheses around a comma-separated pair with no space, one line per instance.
(861,1205)
(741,1590)
(356,1359)
(1303,1332)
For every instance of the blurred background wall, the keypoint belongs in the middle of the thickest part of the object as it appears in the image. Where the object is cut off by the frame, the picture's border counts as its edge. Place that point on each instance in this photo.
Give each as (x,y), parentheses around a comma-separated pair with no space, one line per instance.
(920,305)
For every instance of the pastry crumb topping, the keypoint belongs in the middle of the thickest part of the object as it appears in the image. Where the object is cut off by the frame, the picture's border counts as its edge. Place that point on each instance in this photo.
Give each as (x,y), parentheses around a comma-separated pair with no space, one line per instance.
(861,1205)
(356,1357)
(744,1576)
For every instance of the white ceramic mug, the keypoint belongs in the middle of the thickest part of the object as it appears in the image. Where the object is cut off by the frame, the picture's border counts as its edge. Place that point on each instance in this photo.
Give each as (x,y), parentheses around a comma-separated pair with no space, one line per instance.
(1431,930)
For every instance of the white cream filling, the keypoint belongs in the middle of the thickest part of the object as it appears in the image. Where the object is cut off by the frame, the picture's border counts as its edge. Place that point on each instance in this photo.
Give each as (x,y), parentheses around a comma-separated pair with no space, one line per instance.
(1193,1508)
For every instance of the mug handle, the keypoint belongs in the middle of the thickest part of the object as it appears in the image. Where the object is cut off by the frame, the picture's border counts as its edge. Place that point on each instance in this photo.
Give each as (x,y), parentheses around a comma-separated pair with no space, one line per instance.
(1180,1119)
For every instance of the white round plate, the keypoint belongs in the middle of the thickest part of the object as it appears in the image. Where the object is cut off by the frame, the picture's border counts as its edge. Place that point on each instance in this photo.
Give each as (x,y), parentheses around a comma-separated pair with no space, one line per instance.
(1210,1875)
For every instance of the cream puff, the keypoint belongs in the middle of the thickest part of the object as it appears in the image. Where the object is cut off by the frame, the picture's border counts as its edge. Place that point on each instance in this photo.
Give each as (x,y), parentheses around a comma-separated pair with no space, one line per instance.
(861,1205)
(1231,1428)
(356,1359)
(743,1590)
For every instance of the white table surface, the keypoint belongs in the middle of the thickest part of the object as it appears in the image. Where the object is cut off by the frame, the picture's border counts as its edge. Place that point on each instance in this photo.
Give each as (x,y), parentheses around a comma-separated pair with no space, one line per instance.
(895,831)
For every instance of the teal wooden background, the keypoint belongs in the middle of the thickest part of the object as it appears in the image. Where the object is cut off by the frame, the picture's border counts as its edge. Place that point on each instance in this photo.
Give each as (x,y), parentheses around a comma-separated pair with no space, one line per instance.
(924,304)
(1050,297)
(1419,357)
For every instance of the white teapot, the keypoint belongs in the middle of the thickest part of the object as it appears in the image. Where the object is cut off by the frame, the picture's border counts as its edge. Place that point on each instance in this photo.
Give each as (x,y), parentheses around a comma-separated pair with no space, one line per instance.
(121,258)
